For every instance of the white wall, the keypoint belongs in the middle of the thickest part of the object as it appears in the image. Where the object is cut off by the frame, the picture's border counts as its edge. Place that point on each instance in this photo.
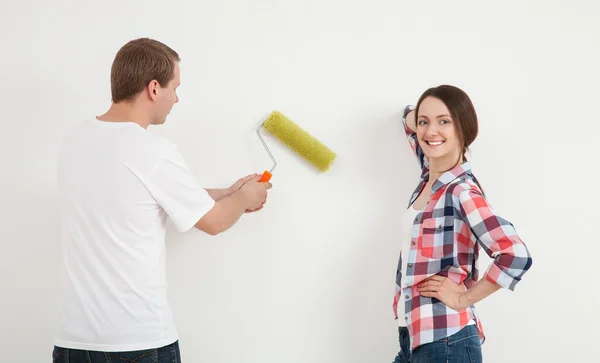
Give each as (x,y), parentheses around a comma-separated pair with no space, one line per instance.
(311,278)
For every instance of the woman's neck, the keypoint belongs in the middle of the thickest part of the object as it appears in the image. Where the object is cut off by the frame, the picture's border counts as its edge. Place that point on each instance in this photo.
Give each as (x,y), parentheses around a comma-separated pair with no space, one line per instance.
(438,166)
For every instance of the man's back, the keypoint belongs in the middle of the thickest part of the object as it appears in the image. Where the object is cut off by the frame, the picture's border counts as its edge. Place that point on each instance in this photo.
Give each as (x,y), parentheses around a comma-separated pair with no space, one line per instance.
(119,183)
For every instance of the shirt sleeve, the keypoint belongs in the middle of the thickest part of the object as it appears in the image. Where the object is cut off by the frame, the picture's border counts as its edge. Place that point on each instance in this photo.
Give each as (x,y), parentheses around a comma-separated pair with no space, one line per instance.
(413,141)
(177,191)
(498,239)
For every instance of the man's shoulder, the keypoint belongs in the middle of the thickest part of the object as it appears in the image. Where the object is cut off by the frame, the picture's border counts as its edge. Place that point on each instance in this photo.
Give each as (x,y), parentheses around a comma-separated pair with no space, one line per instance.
(158,142)
(132,141)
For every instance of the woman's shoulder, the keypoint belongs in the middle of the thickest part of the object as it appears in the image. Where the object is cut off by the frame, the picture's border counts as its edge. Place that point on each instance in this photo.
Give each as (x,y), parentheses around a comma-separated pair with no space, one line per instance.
(463,188)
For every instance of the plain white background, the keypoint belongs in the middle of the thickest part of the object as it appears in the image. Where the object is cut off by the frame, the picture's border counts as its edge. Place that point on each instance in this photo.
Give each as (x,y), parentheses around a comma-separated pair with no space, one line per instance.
(310,279)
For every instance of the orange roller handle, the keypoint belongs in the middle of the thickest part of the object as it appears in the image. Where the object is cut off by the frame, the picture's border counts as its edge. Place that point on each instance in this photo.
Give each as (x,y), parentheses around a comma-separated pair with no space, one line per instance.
(266,176)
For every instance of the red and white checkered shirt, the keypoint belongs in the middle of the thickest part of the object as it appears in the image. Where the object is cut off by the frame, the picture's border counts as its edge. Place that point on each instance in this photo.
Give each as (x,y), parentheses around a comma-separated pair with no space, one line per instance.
(446,237)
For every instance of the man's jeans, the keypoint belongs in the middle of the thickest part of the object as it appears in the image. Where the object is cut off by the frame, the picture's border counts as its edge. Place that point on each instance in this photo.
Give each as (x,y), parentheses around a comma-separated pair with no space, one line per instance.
(167,354)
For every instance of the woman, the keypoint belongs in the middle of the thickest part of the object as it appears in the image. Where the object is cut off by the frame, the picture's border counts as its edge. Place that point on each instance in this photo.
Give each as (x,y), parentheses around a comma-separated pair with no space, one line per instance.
(447,220)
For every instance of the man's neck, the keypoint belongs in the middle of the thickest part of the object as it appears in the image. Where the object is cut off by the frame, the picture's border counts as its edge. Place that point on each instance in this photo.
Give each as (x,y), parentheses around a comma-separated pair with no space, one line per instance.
(126,112)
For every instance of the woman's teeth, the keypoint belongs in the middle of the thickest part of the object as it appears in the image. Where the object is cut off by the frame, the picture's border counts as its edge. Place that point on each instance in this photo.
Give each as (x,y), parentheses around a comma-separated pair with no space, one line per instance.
(435,143)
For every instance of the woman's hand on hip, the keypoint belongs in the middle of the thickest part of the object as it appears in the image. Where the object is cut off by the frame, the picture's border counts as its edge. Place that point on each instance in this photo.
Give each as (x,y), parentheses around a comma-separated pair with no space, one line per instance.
(445,290)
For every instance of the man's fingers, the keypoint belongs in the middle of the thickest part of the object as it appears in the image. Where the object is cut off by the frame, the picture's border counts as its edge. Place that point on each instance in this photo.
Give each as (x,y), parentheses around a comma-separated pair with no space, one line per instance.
(254,210)
(247,178)
(242,181)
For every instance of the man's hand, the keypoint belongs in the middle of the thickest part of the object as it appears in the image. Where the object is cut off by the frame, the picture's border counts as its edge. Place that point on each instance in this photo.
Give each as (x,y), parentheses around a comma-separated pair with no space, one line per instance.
(256,192)
(238,184)
(445,290)
(257,209)
(218,194)
(250,197)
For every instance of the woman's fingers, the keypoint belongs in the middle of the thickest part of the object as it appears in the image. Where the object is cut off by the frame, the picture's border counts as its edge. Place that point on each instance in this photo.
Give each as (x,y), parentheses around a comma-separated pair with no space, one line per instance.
(430,285)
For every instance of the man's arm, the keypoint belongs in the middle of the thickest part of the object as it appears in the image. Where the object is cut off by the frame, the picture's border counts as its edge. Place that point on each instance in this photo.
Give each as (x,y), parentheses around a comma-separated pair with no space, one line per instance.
(218,194)
(225,213)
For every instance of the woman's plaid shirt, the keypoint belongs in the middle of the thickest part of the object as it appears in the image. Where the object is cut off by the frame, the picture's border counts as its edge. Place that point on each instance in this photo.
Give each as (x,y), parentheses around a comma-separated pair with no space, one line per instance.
(446,237)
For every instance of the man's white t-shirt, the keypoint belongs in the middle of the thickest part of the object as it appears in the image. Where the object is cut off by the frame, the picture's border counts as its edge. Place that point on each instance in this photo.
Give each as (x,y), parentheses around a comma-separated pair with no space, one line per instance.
(119,184)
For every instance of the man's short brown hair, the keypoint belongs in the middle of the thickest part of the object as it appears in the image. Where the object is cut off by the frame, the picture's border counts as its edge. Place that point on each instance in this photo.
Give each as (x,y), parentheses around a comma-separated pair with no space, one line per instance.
(139,62)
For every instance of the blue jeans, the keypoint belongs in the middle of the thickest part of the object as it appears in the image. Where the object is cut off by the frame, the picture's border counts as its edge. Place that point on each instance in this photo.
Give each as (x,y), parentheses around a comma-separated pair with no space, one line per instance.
(462,347)
(167,354)
(404,354)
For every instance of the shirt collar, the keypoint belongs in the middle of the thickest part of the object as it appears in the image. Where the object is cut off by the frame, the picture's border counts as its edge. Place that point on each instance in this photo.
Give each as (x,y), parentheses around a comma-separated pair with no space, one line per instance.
(460,171)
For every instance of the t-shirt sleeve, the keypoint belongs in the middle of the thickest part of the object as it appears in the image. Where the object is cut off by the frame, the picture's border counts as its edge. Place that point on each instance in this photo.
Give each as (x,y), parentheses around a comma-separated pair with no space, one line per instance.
(178,192)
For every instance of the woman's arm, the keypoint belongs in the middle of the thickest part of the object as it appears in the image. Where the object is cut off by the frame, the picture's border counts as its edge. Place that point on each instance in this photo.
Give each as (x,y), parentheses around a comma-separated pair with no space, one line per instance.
(456,296)
(411,120)
(410,126)
(499,239)
(482,289)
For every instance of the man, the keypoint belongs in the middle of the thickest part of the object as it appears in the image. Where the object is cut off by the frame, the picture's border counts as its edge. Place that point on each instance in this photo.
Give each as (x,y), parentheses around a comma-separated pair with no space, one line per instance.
(118,184)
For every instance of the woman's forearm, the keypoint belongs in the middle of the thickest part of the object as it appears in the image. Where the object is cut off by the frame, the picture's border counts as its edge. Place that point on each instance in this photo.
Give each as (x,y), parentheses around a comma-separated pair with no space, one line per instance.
(482,289)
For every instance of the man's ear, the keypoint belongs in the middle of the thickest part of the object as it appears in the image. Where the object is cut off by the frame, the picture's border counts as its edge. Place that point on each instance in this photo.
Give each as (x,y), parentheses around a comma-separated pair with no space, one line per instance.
(153,89)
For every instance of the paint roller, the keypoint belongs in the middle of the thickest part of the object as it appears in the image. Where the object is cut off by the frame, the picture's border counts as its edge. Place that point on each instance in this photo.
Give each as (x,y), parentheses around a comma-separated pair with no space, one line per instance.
(298,140)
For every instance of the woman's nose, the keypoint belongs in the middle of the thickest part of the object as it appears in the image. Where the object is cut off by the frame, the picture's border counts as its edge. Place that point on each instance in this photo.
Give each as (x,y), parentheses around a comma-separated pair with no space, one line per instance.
(432,129)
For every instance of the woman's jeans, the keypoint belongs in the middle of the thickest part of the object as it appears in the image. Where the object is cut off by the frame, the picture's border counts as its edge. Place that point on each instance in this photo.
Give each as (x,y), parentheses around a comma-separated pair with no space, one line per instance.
(167,354)
(462,347)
